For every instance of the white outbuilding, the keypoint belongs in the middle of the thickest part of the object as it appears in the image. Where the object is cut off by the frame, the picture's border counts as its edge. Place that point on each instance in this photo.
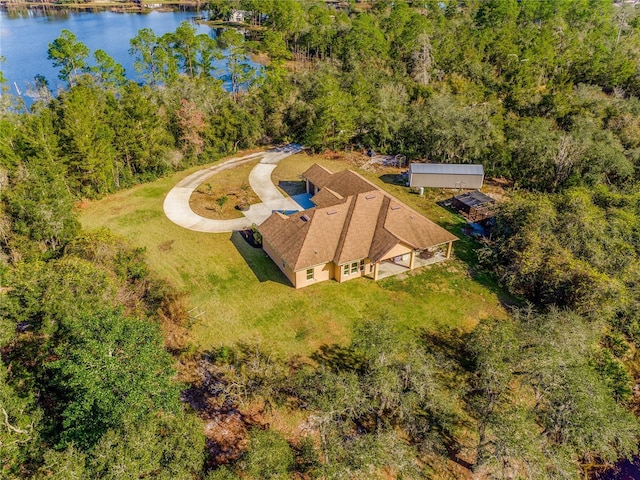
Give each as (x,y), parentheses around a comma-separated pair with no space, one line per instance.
(446,175)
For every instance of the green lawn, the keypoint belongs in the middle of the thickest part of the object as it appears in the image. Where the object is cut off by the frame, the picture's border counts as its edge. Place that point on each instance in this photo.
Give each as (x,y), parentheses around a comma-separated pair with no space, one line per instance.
(245,298)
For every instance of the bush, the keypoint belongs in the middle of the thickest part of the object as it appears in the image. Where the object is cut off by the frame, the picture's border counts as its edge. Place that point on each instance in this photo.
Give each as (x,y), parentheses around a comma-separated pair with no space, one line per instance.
(269,456)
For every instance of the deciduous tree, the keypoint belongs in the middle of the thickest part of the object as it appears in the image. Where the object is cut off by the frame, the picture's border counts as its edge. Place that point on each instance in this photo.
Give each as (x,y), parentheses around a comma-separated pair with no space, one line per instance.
(111,368)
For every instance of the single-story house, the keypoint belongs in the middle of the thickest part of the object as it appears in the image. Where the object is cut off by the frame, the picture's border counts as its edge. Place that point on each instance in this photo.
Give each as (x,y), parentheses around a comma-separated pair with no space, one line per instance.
(446,175)
(355,230)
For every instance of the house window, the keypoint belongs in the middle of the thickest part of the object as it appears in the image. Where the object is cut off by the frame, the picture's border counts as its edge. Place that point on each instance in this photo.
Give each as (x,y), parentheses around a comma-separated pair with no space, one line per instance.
(362,265)
(346,270)
(354,267)
(371,267)
(310,274)
(283,264)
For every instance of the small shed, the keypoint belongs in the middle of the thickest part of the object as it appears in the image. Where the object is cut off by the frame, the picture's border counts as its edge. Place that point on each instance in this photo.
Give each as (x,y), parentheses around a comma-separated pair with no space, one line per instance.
(446,175)
(475,205)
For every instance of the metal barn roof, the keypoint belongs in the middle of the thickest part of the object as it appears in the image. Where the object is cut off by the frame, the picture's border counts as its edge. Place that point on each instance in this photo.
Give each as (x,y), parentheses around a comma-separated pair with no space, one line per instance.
(475,198)
(446,169)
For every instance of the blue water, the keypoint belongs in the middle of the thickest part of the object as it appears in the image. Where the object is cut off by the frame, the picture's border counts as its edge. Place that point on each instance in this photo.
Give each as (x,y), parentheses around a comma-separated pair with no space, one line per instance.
(304,200)
(25,37)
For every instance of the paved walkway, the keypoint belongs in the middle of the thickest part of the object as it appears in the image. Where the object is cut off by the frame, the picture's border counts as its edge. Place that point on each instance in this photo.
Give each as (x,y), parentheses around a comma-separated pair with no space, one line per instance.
(176,204)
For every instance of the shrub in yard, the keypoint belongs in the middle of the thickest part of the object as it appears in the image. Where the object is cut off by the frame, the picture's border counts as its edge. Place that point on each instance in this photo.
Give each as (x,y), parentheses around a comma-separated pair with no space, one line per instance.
(257,236)
(269,456)
(222,201)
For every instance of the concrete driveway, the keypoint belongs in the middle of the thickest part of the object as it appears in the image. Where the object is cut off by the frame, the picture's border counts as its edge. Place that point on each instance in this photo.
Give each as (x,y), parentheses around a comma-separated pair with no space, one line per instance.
(176,203)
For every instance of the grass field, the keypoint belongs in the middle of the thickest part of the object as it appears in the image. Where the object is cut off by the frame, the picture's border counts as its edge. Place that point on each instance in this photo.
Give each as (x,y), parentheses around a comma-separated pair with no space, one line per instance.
(243,297)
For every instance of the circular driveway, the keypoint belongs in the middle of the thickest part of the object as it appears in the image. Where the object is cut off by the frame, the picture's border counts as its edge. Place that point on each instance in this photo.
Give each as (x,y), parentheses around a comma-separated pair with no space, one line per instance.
(176,203)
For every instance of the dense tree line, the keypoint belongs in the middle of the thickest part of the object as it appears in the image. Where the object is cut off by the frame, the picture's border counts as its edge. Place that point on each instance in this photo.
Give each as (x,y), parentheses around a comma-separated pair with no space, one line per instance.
(542,93)
(578,249)
(542,393)
(87,388)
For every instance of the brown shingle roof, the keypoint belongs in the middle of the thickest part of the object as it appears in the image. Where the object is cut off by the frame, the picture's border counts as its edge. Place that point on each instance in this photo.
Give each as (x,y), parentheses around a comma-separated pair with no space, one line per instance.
(318,175)
(383,241)
(326,198)
(306,238)
(358,232)
(413,229)
(354,219)
(348,182)
(285,234)
(323,237)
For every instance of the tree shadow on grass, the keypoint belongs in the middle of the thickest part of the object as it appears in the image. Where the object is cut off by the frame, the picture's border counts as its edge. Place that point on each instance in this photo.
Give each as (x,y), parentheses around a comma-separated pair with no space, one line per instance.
(393,179)
(338,358)
(259,262)
(446,345)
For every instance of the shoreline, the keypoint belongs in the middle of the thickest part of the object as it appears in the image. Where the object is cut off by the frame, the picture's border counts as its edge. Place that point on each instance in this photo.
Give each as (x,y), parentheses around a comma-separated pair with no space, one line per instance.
(112,5)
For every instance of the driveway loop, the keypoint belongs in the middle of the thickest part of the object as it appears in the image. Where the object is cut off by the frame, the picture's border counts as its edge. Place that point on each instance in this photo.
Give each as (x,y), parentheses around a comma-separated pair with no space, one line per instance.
(176,203)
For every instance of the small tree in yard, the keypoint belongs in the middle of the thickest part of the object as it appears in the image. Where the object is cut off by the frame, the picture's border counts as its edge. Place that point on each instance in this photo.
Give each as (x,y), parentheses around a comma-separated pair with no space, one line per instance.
(222,201)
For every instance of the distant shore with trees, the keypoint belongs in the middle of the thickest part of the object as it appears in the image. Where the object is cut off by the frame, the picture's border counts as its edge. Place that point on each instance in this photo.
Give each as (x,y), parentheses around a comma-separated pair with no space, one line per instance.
(96,5)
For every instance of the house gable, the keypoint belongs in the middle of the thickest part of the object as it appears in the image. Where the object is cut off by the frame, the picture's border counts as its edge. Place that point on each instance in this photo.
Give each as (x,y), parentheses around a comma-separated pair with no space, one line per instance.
(399,248)
(318,175)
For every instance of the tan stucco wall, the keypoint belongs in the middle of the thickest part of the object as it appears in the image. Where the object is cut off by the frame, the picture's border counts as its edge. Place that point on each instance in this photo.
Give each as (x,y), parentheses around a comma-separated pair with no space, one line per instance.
(396,251)
(341,277)
(290,274)
(369,267)
(320,274)
(337,271)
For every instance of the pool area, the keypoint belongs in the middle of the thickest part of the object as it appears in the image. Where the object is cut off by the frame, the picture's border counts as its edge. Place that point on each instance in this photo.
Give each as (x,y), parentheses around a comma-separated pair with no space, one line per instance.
(304,200)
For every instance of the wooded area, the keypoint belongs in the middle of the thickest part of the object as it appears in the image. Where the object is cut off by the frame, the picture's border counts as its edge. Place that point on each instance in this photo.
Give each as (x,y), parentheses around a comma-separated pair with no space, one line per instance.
(544,94)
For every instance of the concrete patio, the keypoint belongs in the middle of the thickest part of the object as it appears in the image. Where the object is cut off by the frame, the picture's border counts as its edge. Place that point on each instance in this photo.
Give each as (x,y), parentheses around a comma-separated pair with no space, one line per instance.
(390,269)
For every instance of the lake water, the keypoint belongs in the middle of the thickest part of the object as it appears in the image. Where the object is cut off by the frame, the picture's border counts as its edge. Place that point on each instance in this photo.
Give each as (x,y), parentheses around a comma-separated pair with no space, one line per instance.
(25,38)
